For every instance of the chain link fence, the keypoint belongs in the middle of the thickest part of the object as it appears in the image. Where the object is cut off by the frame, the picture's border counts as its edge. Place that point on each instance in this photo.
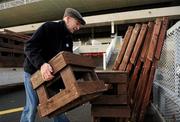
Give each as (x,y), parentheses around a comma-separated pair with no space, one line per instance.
(166,87)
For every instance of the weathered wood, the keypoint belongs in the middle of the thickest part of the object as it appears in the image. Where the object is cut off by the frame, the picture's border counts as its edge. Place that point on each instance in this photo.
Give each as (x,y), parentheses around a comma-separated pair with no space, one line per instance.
(154,39)
(134,80)
(141,87)
(148,90)
(123,49)
(113,76)
(129,67)
(75,103)
(110,111)
(118,87)
(90,87)
(143,54)
(60,61)
(138,44)
(130,46)
(42,95)
(80,84)
(139,93)
(110,100)
(150,55)
(142,82)
(122,88)
(147,41)
(70,78)
(161,37)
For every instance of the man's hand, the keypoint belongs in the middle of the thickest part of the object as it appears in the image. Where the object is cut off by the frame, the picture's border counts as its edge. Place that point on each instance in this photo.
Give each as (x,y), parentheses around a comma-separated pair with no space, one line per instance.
(46,72)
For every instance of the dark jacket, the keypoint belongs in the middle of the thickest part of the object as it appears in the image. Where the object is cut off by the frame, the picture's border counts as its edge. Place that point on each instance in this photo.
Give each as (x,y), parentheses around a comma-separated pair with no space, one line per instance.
(46,42)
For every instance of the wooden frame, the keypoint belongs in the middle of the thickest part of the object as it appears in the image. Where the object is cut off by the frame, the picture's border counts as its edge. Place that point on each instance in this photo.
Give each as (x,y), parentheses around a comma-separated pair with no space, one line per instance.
(81,84)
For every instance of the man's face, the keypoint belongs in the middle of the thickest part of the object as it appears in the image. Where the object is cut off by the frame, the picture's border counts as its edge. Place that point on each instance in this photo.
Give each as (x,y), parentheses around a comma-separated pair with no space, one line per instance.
(73,24)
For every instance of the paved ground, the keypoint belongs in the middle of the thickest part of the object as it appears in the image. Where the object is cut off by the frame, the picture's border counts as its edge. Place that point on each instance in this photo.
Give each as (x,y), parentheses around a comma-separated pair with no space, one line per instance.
(16,99)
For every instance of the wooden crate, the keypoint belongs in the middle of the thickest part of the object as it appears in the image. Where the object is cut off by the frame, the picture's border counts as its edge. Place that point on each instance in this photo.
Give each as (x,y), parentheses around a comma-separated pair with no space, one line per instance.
(75,83)
(112,105)
(117,92)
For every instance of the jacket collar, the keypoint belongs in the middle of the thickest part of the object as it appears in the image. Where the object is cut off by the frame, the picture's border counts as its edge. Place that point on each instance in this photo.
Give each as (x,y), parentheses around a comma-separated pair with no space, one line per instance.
(65,30)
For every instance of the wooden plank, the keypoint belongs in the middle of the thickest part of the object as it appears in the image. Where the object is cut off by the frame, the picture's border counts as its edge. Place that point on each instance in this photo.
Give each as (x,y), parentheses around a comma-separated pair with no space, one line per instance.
(147,41)
(123,49)
(134,80)
(154,39)
(90,87)
(75,103)
(150,56)
(138,44)
(113,76)
(129,67)
(43,97)
(139,93)
(68,77)
(110,100)
(121,89)
(142,81)
(129,48)
(148,90)
(141,87)
(111,111)
(54,103)
(161,37)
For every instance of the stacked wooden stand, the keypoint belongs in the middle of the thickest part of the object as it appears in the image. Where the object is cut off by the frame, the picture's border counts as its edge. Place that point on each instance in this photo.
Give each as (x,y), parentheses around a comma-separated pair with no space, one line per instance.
(75,82)
(12,48)
(139,55)
(112,105)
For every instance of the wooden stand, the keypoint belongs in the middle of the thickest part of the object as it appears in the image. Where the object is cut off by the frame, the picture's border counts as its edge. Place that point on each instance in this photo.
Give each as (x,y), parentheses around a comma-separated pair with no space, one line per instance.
(112,105)
(75,83)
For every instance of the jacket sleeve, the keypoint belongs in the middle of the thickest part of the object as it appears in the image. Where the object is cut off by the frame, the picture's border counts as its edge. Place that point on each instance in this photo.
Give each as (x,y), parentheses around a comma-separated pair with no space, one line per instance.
(33,47)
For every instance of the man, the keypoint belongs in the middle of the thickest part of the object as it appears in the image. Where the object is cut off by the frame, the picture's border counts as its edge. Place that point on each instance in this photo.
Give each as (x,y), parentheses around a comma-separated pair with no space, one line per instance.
(46,42)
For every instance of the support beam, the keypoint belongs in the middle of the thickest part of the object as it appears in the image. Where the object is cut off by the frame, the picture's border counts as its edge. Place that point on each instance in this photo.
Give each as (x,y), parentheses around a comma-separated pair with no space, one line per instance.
(120,18)
(112,28)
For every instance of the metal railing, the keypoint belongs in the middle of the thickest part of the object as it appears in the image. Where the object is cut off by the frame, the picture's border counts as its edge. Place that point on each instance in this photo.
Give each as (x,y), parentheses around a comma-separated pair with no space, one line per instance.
(15,3)
(109,51)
